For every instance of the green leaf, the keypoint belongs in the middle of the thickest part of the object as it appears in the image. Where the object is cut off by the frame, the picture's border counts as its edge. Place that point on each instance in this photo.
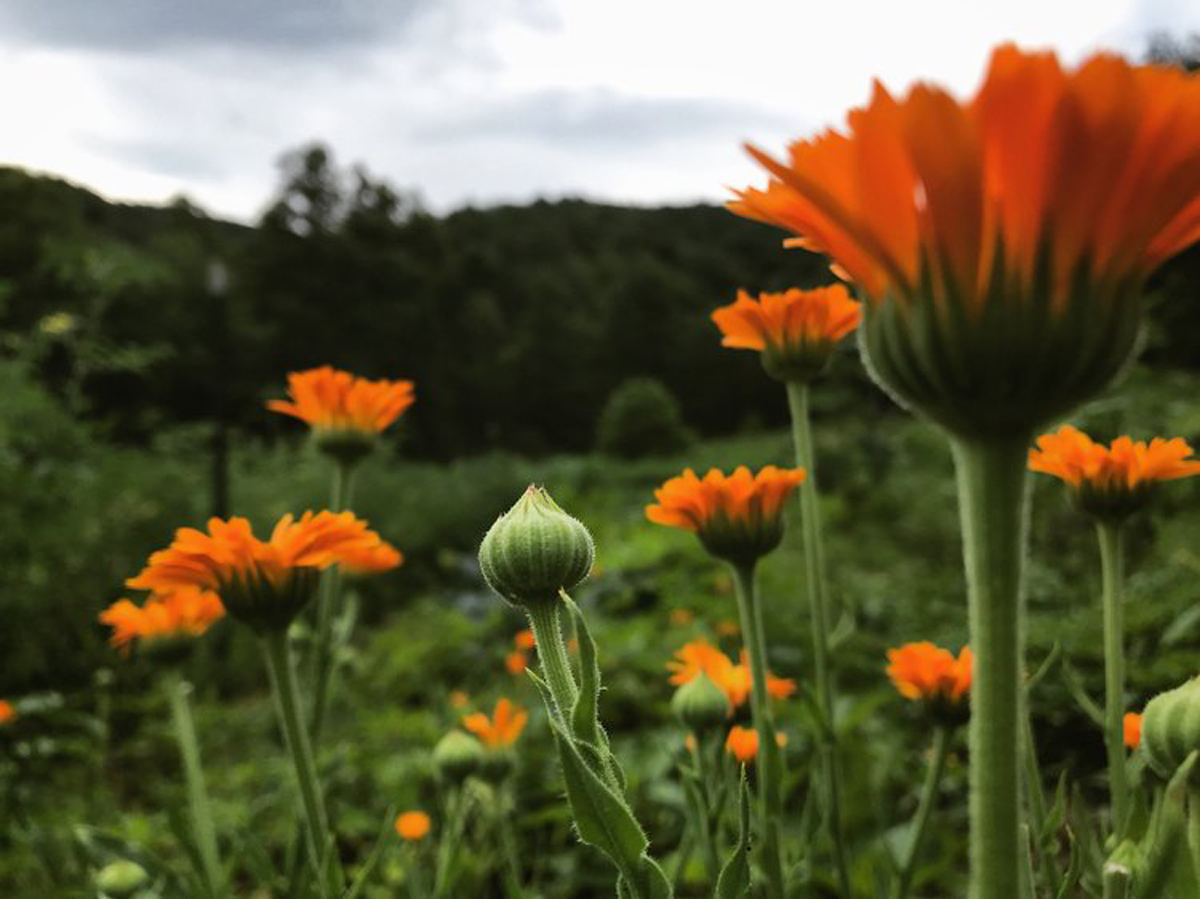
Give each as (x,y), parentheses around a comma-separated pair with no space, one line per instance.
(1067,888)
(735,875)
(368,869)
(585,721)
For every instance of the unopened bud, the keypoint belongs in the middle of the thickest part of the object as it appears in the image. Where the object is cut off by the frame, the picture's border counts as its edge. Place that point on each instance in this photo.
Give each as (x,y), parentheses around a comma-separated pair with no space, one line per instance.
(1171,727)
(701,705)
(457,756)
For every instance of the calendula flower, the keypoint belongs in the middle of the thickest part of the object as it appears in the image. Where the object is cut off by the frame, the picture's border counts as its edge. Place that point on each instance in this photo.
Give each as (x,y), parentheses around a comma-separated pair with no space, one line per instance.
(1111,481)
(1001,242)
(734,679)
(502,729)
(413,826)
(1133,729)
(524,640)
(186,612)
(796,331)
(742,743)
(8,712)
(265,582)
(346,412)
(516,662)
(923,671)
(738,517)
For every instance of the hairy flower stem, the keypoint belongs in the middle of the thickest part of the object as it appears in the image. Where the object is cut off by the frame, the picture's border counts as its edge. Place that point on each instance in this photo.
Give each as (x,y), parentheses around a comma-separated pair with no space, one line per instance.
(770,760)
(508,846)
(1112,563)
(933,778)
(704,818)
(287,705)
(179,694)
(552,651)
(448,846)
(329,597)
(818,604)
(992,502)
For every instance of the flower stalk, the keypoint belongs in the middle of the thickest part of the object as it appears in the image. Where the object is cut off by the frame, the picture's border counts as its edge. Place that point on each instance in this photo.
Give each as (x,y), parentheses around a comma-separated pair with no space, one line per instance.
(1112,562)
(770,760)
(992,500)
(287,705)
(818,602)
(543,618)
(179,694)
(929,789)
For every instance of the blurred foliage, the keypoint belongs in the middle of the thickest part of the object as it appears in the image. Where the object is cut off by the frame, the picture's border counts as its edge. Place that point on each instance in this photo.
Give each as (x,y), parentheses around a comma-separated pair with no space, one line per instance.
(641,418)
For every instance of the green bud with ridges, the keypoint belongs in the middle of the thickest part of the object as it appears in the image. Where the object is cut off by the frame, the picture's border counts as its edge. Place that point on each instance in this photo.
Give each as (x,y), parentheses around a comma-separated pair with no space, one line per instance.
(535,550)
(1171,727)
(457,756)
(121,878)
(701,705)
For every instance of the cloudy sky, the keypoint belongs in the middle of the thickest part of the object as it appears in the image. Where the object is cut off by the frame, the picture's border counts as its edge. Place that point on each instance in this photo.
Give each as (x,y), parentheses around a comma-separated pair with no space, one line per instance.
(486,101)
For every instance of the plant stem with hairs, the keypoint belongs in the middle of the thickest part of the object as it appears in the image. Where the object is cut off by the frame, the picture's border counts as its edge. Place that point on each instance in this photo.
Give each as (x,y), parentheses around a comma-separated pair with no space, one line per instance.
(933,778)
(328,608)
(1112,563)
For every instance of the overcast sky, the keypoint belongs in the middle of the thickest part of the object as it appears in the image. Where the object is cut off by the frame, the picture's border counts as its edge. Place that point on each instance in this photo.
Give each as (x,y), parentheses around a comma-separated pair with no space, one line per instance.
(486,101)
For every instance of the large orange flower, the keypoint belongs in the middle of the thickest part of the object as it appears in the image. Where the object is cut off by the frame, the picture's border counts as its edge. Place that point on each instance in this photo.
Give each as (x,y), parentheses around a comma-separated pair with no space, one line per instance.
(1019,225)
(734,679)
(928,672)
(795,331)
(1111,481)
(337,400)
(738,517)
(265,583)
(186,612)
(500,730)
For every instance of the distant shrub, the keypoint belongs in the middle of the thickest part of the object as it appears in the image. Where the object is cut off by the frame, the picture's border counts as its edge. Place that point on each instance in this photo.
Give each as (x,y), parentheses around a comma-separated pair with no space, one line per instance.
(641,418)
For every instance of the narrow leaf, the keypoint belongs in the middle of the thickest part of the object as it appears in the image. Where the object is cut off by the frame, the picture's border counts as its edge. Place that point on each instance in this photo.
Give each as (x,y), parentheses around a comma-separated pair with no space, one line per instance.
(585,715)
(735,875)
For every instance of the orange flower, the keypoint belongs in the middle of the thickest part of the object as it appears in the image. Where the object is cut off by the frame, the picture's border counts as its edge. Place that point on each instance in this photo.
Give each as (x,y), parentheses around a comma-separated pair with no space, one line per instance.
(1022,223)
(1111,481)
(742,743)
(413,826)
(459,699)
(796,331)
(733,679)
(925,671)
(1133,729)
(502,729)
(516,662)
(186,612)
(333,400)
(525,640)
(738,517)
(8,712)
(681,617)
(265,583)
(728,628)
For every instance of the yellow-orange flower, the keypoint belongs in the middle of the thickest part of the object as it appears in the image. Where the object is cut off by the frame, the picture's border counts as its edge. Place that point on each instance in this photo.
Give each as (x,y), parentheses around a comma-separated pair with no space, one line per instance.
(928,672)
(733,679)
(1002,241)
(795,331)
(8,712)
(737,517)
(459,699)
(742,743)
(1133,729)
(334,400)
(681,617)
(502,729)
(413,826)
(265,582)
(186,612)
(1111,481)
(525,640)
(516,662)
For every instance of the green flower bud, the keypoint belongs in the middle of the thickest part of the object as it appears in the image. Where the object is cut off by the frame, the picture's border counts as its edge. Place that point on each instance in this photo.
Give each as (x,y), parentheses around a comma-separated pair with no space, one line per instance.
(1171,727)
(498,763)
(121,878)
(347,446)
(535,550)
(701,705)
(457,756)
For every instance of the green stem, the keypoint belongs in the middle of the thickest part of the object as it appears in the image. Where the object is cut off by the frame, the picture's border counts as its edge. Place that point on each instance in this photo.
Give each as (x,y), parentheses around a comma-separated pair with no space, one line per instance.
(933,778)
(1035,795)
(456,805)
(818,602)
(179,695)
(1112,563)
(328,609)
(508,846)
(992,500)
(705,823)
(552,651)
(770,762)
(1193,828)
(287,705)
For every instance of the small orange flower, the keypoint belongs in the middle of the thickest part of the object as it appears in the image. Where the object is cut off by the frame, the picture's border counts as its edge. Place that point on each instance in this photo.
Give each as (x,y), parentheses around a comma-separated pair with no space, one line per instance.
(502,729)
(525,640)
(516,662)
(459,699)
(186,612)
(728,628)
(1111,481)
(795,331)
(733,679)
(265,583)
(413,826)
(681,617)
(742,743)
(925,671)
(738,517)
(8,712)
(1133,729)
(333,400)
